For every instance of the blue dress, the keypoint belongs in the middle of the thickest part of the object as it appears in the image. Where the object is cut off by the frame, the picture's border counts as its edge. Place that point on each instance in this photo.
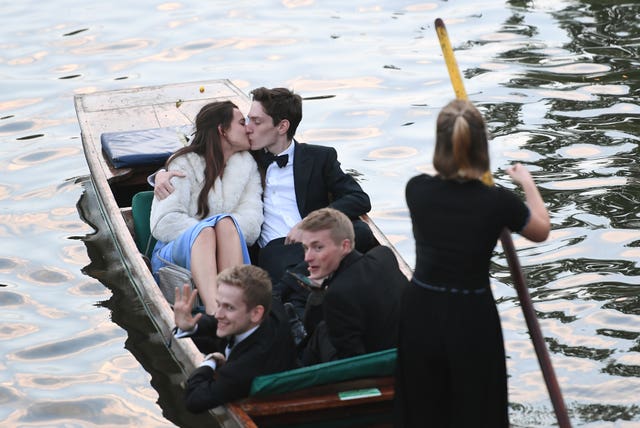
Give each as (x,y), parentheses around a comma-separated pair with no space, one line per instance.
(178,251)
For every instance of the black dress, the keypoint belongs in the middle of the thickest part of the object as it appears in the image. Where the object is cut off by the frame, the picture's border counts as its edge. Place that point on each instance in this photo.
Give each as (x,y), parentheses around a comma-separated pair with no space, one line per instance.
(451,368)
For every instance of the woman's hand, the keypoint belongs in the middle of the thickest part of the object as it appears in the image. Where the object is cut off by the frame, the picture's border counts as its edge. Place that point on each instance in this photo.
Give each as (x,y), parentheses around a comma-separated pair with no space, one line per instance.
(519,174)
(539,225)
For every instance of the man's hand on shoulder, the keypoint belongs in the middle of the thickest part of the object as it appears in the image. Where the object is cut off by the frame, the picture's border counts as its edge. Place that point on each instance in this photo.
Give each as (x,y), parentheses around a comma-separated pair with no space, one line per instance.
(163,186)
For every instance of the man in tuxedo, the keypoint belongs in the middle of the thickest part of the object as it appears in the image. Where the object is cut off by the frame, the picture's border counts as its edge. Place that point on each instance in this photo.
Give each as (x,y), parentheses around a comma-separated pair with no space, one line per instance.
(253,332)
(358,307)
(304,177)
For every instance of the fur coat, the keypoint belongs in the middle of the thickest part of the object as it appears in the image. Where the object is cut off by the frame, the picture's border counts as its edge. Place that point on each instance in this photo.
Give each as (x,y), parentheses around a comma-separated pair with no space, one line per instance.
(238,192)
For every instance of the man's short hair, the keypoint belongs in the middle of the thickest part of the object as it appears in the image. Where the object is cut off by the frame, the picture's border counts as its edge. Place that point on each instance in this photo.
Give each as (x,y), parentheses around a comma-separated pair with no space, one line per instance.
(254,281)
(330,219)
(280,104)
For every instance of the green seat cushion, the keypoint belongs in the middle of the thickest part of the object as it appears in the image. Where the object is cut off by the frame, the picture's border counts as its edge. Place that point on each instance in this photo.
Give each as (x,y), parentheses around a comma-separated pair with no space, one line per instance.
(141,210)
(375,364)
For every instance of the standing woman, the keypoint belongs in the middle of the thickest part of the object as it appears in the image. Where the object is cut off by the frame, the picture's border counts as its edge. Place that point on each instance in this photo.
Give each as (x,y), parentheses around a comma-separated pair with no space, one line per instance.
(216,208)
(451,368)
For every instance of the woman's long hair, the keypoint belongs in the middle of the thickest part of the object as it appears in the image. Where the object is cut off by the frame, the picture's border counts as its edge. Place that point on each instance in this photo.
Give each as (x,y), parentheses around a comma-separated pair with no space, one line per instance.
(462,149)
(206,142)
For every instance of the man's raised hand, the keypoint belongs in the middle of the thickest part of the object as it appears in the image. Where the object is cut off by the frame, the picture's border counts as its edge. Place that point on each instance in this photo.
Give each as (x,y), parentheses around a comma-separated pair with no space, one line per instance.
(182,306)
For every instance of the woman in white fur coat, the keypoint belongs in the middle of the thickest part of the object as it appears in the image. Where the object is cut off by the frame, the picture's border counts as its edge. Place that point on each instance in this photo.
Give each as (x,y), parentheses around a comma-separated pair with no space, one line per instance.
(216,208)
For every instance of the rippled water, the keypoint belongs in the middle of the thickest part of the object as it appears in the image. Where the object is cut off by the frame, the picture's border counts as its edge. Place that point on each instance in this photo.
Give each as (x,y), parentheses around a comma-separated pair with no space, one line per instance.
(557,80)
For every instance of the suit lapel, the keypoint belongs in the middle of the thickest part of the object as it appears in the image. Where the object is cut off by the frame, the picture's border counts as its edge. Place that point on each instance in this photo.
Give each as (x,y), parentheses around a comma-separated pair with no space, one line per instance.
(302,168)
(239,348)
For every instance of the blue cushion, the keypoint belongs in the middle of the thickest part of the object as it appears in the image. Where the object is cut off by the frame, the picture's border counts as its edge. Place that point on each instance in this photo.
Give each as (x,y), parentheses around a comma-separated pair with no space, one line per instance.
(147,147)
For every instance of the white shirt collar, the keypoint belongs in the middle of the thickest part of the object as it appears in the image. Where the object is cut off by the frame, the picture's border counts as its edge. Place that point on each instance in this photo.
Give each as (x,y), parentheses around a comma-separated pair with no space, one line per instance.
(289,151)
(242,336)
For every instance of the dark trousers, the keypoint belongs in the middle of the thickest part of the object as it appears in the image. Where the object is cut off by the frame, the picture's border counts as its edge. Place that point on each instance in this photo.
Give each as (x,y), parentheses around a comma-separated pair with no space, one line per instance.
(276,258)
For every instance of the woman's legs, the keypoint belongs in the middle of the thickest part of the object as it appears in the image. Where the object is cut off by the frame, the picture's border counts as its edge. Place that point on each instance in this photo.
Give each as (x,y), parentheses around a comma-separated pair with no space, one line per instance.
(229,247)
(204,268)
(214,249)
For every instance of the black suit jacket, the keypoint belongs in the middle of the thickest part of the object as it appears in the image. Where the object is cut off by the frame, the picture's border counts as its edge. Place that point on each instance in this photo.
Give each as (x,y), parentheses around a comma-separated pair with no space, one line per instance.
(267,350)
(319,182)
(362,303)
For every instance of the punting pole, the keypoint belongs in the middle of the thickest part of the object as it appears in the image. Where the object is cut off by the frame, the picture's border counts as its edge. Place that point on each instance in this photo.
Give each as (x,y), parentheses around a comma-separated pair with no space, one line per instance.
(514,265)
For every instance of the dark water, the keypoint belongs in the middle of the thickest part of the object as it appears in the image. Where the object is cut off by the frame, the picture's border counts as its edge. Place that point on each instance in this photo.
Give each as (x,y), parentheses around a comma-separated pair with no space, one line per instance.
(557,81)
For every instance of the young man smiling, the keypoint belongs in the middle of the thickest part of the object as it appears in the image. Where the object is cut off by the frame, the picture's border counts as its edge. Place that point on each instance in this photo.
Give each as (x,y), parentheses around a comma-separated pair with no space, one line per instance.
(254,333)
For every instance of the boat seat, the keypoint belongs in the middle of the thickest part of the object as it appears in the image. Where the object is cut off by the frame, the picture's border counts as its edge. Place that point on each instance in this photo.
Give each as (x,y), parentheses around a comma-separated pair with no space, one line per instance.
(375,364)
(147,147)
(141,211)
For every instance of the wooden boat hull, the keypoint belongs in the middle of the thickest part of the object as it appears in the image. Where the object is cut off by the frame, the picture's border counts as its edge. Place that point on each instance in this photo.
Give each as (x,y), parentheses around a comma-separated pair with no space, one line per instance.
(177,105)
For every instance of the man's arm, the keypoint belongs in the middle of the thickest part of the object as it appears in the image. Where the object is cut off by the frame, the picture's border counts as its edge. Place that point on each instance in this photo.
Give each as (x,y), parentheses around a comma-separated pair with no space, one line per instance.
(161,182)
(347,194)
(345,321)
(202,391)
(339,189)
(207,388)
(171,216)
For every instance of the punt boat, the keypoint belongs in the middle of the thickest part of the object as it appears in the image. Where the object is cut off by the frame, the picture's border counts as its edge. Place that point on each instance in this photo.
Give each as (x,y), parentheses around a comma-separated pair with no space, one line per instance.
(344,393)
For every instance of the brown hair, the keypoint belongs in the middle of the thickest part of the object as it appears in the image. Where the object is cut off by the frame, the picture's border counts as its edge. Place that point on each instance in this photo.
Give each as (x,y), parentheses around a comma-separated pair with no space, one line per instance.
(280,104)
(254,282)
(331,219)
(462,149)
(206,142)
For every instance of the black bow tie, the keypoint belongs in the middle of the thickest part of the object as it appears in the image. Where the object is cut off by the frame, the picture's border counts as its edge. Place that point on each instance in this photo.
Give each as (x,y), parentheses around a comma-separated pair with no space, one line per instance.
(269,157)
(231,341)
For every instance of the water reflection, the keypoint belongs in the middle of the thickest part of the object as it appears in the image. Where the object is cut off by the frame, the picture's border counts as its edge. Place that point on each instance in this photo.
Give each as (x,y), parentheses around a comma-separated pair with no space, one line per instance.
(14,330)
(65,348)
(557,79)
(86,411)
(129,313)
(569,118)
(37,157)
(49,276)
(394,153)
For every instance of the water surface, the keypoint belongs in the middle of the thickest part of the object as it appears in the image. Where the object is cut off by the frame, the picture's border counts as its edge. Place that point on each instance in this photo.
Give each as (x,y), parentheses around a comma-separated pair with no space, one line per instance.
(557,81)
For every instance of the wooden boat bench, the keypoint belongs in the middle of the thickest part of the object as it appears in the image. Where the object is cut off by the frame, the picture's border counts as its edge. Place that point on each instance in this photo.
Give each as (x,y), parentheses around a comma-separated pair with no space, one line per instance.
(365,379)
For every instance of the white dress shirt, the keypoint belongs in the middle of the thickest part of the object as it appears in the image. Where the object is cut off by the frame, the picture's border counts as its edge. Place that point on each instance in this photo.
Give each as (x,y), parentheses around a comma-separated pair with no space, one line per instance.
(280,206)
